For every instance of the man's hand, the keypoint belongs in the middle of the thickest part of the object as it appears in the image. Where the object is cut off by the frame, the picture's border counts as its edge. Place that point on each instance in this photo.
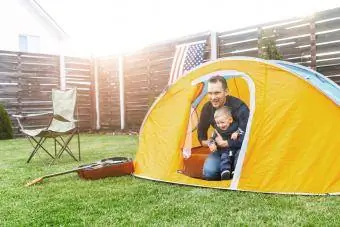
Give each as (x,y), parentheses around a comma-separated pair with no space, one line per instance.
(219,140)
(212,146)
(234,135)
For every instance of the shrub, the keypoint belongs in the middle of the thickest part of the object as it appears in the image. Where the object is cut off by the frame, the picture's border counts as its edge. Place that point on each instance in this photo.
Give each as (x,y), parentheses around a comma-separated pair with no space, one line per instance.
(270,50)
(6,130)
(267,46)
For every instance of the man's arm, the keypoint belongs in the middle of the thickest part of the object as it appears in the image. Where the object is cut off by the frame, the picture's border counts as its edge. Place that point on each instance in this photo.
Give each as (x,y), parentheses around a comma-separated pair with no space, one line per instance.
(242,117)
(205,143)
(203,125)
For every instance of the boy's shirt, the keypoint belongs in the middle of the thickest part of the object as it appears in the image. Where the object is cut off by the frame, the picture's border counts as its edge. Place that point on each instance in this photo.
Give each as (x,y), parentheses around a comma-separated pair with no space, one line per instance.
(226,135)
(239,111)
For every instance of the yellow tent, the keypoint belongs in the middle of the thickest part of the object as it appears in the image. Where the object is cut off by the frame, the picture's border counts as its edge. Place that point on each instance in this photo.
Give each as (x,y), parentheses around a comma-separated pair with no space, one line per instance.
(292,142)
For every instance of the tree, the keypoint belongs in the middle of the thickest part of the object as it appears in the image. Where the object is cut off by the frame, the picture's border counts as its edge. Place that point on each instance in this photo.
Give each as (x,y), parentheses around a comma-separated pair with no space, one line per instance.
(268,49)
(6,130)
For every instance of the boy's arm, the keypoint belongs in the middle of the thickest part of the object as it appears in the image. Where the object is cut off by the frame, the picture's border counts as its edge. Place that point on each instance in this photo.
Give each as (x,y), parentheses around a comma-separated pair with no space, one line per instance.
(213,136)
(238,142)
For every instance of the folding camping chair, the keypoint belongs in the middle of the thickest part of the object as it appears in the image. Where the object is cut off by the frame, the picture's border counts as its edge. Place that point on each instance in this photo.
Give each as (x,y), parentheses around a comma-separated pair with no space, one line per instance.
(61,128)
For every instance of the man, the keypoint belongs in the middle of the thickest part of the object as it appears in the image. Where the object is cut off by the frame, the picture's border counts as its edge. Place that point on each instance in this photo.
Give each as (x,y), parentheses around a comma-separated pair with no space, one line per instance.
(218,97)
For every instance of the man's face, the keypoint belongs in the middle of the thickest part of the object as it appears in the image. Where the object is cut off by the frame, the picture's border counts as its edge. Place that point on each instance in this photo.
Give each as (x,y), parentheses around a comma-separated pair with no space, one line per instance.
(216,94)
(223,121)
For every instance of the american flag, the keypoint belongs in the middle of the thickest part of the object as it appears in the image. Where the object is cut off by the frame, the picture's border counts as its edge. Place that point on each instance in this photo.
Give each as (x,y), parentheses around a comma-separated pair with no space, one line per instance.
(187,56)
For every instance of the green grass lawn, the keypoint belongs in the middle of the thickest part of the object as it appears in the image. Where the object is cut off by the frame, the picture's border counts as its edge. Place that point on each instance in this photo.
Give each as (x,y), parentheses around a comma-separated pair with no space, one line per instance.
(70,201)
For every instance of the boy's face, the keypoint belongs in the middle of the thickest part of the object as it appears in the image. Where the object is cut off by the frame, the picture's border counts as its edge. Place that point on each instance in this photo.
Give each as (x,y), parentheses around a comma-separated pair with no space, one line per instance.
(223,121)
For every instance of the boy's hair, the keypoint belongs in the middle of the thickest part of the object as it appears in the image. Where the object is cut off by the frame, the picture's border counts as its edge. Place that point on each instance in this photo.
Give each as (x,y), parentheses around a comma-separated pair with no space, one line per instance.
(223,111)
(220,79)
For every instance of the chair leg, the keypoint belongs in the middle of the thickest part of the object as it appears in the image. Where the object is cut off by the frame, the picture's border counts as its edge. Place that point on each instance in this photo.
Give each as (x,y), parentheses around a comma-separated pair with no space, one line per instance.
(55,147)
(78,143)
(36,147)
(38,144)
(30,139)
(64,147)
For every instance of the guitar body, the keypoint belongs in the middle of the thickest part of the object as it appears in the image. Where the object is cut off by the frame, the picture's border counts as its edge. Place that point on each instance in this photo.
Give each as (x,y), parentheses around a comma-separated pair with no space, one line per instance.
(110,167)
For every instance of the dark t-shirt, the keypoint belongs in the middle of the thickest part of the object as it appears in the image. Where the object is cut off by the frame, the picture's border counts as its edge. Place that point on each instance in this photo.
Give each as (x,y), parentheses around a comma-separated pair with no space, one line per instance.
(239,111)
(226,135)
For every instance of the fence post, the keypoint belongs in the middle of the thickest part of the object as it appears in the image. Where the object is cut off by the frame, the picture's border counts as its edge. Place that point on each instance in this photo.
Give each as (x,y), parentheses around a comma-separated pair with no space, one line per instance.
(93,110)
(312,42)
(213,45)
(20,86)
(121,91)
(259,42)
(96,92)
(151,93)
(62,73)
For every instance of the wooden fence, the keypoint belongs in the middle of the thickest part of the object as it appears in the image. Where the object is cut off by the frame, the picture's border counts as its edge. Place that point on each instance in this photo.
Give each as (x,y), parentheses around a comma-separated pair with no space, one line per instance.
(79,74)
(26,79)
(108,83)
(146,74)
(313,41)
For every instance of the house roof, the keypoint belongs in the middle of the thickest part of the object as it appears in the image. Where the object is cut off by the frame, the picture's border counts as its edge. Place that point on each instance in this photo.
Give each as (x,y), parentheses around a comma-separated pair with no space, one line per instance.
(44,18)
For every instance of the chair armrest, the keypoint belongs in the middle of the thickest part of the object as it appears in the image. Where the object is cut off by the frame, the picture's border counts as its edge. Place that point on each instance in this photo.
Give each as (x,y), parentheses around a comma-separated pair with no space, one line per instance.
(19,116)
(31,115)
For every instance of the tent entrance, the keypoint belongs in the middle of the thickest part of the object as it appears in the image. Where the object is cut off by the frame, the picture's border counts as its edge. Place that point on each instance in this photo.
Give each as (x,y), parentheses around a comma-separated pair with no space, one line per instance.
(240,85)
